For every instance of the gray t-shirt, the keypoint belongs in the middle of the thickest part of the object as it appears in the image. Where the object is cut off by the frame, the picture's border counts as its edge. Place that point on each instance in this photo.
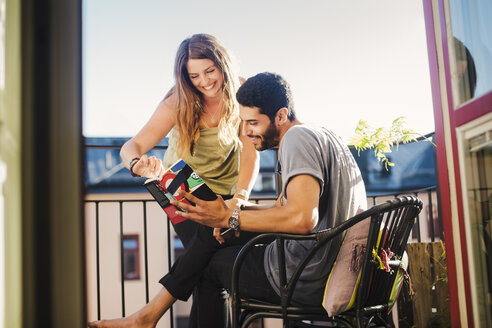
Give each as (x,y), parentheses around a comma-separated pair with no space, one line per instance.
(320,153)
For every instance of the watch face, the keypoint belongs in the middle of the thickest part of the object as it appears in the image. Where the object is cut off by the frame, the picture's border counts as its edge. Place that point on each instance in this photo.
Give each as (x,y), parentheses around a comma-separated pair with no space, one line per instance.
(234,221)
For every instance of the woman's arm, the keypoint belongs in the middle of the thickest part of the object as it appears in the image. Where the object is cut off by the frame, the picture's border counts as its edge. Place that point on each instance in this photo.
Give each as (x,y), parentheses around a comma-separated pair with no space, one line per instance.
(157,127)
(249,165)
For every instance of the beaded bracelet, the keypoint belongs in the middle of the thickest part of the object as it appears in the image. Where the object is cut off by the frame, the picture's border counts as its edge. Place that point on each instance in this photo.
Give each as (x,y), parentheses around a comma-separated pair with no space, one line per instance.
(132,164)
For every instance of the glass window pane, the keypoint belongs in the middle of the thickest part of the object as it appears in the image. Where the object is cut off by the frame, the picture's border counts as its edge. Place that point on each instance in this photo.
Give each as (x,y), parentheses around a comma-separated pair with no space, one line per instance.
(478,172)
(130,266)
(130,243)
(470,48)
(130,257)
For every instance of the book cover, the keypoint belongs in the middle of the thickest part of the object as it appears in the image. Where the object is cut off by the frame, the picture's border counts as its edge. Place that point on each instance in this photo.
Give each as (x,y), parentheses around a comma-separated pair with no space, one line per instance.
(180,176)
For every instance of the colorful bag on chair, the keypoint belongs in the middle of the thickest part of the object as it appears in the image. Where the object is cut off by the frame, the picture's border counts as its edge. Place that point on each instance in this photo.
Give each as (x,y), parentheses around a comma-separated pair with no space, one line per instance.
(401,275)
(344,277)
(343,281)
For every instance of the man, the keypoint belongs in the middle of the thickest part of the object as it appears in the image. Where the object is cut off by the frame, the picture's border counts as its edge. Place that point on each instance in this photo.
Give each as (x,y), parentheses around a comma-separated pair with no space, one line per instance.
(322,186)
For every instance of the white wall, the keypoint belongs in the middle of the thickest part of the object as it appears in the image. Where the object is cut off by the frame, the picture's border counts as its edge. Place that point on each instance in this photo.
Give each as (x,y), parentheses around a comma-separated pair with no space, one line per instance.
(110,257)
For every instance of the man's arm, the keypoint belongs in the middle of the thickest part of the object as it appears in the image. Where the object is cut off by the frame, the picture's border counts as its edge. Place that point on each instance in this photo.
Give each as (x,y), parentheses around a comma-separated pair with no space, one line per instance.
(299,215)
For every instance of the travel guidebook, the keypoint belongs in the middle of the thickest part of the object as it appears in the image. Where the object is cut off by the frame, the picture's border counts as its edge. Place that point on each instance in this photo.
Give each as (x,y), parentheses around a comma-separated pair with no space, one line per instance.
(180,176)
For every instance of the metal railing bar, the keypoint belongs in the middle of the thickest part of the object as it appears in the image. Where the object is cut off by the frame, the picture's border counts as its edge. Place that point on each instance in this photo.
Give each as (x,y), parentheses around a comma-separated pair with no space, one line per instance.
(122,262)
(117,201)
(171,309)
(419,237)
(146,260)
(98,268)
(431,216)
(402,192)
(115,147)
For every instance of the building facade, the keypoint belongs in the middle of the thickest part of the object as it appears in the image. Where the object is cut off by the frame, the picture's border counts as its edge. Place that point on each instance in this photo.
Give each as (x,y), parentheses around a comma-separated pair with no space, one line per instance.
(460,58)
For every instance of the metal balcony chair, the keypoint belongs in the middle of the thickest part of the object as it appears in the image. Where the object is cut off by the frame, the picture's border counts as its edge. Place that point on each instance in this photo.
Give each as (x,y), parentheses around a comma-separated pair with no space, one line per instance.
(395,217)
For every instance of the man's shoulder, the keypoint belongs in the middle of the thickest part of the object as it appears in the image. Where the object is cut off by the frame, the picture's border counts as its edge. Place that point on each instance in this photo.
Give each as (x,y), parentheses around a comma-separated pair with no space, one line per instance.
(306,132)
(305,129)
(300,136)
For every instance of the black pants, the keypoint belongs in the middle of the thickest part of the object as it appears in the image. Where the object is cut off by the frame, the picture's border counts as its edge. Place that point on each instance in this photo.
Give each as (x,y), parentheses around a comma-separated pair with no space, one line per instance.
(212,294)
(202,253)
(199,247)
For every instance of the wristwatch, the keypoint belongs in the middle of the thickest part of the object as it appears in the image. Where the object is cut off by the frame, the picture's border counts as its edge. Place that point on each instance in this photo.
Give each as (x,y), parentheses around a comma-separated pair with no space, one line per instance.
(234,220)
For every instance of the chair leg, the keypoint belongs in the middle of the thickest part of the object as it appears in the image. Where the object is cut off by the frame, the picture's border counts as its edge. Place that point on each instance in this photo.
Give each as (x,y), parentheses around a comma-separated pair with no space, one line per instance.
(377,320)
(337,322)
(249,319)
(242,317)
(385,320)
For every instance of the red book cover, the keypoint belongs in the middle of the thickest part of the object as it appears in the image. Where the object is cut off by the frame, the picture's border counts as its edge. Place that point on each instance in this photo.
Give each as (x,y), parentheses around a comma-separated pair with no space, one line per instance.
(180,176)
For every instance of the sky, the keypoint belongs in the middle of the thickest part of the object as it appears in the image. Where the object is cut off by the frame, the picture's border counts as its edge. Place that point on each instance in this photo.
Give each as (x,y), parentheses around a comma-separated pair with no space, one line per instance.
(346,60)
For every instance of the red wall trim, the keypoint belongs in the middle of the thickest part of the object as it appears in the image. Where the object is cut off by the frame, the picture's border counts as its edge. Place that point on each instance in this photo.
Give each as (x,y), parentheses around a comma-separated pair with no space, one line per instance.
(474,109)
(457,176)
(442,165)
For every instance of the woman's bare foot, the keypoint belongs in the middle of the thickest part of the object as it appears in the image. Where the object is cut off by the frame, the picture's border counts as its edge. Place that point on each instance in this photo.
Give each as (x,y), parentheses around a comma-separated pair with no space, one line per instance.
(135,320)
(146,317)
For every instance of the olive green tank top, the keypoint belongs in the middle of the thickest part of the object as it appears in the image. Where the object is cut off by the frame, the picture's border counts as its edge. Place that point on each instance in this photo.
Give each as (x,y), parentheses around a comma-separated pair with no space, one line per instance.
(216,164)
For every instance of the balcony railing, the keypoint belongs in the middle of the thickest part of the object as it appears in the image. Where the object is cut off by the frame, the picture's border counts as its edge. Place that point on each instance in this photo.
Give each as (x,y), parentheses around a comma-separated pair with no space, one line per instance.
(109,220)
(130,243)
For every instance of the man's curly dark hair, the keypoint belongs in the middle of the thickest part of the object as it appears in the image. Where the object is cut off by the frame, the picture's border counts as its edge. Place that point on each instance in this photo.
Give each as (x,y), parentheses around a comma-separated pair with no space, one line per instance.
(269,92)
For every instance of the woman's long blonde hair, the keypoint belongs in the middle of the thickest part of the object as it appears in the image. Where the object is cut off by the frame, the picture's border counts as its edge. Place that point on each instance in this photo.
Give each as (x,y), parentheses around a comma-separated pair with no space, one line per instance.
(189,99)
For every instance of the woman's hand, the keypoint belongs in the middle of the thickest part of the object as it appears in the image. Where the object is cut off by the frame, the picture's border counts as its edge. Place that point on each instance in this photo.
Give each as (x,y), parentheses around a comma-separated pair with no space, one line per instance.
(148,167)
(281,201)
(235,202)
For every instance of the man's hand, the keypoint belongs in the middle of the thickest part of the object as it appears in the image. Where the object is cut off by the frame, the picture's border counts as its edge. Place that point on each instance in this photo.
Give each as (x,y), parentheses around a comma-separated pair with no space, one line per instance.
(221,235)
(214,213)
(218,236)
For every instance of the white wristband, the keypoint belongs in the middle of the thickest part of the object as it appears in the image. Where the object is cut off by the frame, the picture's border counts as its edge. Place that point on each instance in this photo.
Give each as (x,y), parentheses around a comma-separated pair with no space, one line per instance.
(243,192)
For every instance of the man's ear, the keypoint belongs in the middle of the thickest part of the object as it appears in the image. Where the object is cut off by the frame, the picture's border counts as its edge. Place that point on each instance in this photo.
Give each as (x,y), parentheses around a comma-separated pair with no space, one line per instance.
(281,116)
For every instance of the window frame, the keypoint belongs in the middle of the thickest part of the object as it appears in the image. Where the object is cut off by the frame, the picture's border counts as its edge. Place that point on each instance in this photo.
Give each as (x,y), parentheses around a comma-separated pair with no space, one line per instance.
(136,253)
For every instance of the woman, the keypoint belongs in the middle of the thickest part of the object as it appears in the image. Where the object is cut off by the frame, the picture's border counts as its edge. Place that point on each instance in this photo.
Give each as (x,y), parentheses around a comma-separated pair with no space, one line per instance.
(202,117)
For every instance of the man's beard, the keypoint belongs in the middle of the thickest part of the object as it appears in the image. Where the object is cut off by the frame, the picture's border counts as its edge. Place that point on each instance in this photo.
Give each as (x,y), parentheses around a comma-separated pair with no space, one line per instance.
(269,139)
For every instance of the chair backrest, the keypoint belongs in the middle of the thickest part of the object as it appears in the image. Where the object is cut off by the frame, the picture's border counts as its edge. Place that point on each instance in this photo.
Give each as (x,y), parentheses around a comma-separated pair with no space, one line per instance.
(391,224)
(390,227)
